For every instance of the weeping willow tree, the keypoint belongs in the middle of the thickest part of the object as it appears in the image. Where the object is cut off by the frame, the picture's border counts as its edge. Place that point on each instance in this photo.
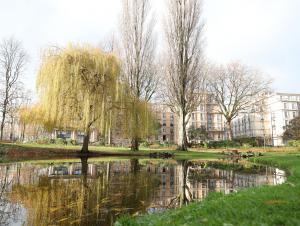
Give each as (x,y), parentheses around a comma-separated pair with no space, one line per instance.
(78,87)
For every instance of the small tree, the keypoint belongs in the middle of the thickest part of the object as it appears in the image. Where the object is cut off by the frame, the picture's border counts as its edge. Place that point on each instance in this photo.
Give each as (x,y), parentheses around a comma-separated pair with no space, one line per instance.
(78,87)
(236,88)
(198,134)
(292,131)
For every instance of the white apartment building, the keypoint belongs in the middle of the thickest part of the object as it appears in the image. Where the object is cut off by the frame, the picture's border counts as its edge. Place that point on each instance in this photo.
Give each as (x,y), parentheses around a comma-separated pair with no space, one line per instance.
(283,107)
(268,121)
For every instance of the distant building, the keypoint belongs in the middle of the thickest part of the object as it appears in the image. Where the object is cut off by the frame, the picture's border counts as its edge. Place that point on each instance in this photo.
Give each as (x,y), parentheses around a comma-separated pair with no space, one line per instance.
(268,121)
(207,115)
(167,120)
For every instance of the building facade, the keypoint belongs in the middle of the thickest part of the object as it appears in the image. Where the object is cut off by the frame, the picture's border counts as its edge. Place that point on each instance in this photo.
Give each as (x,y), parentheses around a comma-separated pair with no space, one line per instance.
(268,121)
(207,115)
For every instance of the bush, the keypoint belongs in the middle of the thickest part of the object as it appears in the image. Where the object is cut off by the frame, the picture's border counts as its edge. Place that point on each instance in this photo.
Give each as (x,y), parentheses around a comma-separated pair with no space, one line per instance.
(71,142)
(145,144)
(43,140)
(294,143)
(223,144)
(60,141)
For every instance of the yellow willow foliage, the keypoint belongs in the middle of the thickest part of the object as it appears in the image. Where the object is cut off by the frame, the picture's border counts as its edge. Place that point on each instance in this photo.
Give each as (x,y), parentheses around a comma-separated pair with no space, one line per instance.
(78,87)
(34,115)
(138,120)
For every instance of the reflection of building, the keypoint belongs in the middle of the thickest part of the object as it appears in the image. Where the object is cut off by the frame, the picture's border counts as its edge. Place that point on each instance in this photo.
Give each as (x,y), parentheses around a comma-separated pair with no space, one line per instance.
(120,178)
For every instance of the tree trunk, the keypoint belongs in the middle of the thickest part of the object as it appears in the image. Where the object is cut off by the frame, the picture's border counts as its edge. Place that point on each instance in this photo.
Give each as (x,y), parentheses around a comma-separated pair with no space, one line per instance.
(86,140)
(11,135)
(182,138)
(134,144)
(229,130)
(22,138)
(2,124)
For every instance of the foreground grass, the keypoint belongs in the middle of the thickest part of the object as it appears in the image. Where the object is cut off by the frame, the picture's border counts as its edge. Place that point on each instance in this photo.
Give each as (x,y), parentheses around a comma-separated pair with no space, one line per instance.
(268,205)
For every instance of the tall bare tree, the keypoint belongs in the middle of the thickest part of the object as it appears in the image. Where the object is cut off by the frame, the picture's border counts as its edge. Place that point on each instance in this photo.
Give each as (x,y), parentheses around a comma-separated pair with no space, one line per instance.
(12,63)
(236,88)
(184,67)
(138,55)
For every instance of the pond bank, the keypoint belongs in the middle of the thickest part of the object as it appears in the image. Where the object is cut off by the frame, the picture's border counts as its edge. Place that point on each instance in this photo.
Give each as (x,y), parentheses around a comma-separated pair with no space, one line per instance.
(10,152)
(278,205)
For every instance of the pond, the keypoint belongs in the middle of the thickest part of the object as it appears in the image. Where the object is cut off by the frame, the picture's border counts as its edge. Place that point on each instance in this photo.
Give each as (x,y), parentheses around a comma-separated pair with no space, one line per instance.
(98,191)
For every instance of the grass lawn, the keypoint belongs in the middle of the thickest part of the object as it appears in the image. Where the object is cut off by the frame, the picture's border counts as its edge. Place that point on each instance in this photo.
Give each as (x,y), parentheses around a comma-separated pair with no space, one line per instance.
(267,205)
(26,151)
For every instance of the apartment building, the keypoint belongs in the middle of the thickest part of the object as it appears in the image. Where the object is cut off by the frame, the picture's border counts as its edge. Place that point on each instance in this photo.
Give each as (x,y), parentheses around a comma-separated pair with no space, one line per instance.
(167,119)
(270,120)
(283,107)
(207,115)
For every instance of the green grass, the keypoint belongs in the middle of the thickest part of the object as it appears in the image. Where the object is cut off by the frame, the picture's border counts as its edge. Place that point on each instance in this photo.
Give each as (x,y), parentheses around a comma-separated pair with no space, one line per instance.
(192,154)
(267,205)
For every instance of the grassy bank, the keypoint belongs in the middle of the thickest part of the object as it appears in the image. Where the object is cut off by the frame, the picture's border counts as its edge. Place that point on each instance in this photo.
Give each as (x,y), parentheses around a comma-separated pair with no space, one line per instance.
(268,205)
(17,152)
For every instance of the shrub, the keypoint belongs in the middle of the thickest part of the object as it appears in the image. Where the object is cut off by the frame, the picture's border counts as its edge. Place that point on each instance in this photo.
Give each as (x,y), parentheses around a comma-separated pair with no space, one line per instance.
(60,141)
(71,142)
(145,144)
(43,140)
(294,143)
(223,144)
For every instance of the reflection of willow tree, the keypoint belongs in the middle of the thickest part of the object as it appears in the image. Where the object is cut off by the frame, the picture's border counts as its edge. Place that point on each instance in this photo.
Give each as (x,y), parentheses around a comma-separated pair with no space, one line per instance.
(8,211)
(85,200)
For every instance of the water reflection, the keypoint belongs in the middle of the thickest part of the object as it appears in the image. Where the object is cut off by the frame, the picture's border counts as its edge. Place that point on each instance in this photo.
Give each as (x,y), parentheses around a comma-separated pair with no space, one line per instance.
(96,193)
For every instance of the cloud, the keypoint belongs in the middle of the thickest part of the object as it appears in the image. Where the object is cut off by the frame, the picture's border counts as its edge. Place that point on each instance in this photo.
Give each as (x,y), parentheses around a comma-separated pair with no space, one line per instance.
(261,33)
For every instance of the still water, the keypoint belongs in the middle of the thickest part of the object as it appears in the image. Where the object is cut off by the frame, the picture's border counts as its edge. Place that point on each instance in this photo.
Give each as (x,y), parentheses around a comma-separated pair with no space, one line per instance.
(98,191)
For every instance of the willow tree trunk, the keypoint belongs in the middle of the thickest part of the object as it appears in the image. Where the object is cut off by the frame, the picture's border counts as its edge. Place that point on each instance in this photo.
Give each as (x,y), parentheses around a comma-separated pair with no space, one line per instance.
(86,140)
(134,144)
(182,136)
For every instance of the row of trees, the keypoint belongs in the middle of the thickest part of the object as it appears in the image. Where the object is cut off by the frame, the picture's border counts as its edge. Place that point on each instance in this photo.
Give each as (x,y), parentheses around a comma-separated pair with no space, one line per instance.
(83,87)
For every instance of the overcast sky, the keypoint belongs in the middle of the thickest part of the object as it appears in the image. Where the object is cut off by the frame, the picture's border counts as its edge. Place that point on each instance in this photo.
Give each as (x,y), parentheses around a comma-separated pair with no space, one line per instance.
(261,33)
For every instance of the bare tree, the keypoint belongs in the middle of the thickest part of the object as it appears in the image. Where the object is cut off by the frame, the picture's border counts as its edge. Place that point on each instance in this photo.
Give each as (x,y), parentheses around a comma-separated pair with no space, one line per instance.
(236,88)
(12,63)
(138,54)
(21,99)
(184,67)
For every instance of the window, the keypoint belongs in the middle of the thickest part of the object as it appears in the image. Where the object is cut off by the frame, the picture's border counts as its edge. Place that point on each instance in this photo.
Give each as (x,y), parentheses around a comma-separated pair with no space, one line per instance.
(286,113)
(294,106)
(285,106)
(294,114)
(164,115)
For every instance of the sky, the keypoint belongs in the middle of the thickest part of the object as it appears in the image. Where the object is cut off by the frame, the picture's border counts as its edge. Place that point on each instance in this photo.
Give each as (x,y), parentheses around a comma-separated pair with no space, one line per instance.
(264,34)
